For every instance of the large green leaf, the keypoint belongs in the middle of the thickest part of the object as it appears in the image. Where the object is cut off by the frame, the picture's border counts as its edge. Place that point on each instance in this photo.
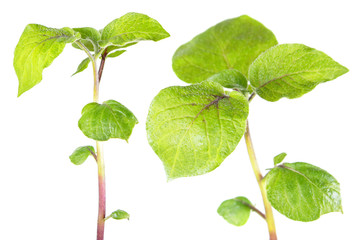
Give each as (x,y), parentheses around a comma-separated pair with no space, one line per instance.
(131,28)
(291,70)
(81,154)
(302,192)
(108,120)
(90,38)
(231,44)
(235,211)
(194,128)
(37,48)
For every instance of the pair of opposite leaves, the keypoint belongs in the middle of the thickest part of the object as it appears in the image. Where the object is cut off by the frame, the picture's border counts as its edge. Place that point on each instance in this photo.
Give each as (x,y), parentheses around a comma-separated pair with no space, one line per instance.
(194,128)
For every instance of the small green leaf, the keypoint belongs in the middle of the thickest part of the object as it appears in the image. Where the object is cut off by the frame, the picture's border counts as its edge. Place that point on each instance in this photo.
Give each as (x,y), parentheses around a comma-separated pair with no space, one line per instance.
(231,44)
(81,154)
(235,211)
(230,78)
(82,66)
(302,192)
(37,48)
(291,70)
(115,54)
(194,128)
(120,214)
(108,120)
(132,28)
(279,158)
(89,38)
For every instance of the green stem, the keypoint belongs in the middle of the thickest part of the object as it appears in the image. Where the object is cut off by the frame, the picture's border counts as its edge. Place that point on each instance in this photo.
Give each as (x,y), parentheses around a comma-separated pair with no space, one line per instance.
(259,177)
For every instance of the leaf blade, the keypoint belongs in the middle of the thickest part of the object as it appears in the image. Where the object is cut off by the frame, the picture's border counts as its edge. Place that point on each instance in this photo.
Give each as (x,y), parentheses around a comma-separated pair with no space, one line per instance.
(279,158)
(302,192)
(231,44)
(38,46)
(130,28)
(108,120)
(291,70)
(82,66)
(120,214)
(185,124)
(81,154)
(235,211)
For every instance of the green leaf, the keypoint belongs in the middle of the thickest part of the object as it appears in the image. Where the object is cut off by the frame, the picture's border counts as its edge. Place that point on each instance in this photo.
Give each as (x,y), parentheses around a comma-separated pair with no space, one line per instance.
(108,120)
(120,214)
(279,158)
(82,66)
(231,44)
(81,154)
(235,211)
(90,38)
(302,192)
(230,78)
(131,28)
(194,128)
(291,70)
(115,54)
(37,48)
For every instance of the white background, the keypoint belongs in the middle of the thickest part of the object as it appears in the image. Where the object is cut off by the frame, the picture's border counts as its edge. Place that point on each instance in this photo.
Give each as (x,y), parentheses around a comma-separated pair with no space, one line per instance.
(43,196)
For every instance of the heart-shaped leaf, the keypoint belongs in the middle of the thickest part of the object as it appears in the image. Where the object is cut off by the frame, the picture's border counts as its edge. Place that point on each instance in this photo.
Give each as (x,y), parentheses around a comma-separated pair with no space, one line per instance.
(302,192)
(231,44)
(108,120)
(194,128)
(291,70)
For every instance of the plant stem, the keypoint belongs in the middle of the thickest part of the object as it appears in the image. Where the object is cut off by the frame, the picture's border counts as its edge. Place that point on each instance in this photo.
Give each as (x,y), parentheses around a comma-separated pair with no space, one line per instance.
(102,192)
(103,60)
(261,183)
(100,163)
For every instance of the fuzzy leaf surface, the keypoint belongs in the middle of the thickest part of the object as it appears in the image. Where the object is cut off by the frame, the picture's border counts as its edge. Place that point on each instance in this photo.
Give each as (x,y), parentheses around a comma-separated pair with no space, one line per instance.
(37,48)
(89,37)
(82,66)
(132,28)
(231,44)
(230,78)
(81,154)
(291,70)
(302,192)
(194,128)
(108,120)
(235,211)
